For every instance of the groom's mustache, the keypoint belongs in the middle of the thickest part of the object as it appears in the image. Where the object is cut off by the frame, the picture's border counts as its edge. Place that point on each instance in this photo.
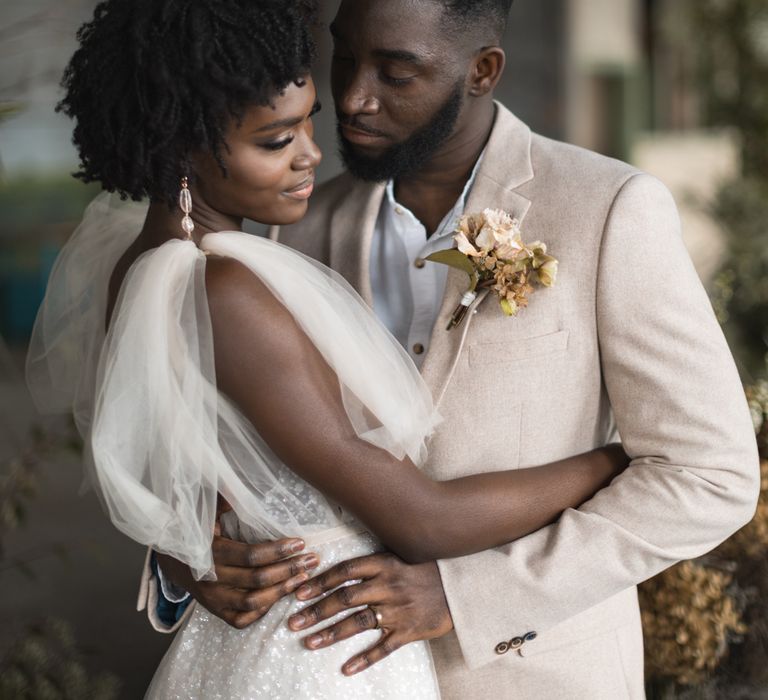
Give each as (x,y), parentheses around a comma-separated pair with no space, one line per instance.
(357,126)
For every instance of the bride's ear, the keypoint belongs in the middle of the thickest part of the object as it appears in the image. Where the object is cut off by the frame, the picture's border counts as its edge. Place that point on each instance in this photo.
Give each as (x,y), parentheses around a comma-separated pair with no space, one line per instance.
(485,70)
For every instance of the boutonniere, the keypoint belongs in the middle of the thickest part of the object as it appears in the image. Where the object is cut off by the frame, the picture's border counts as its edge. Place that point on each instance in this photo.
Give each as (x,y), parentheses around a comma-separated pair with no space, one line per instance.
(490,249)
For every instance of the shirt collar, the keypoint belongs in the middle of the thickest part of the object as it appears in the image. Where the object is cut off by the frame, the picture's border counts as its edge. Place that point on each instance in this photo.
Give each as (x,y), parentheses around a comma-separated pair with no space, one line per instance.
(445,228)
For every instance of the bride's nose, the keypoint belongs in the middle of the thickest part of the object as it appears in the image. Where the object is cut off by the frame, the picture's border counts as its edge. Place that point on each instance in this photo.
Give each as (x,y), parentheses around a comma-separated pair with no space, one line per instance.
(310,157)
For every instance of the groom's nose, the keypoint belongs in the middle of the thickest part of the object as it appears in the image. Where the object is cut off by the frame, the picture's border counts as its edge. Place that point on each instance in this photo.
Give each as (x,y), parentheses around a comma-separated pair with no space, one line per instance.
(354,96)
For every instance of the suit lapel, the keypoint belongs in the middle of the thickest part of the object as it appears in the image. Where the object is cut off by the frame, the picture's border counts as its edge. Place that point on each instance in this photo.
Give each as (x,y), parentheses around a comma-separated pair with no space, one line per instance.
(506,165)
(352,227)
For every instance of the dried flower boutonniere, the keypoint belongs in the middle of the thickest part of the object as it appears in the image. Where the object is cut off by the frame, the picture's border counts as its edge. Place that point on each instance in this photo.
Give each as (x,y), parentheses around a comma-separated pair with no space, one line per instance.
(491,251)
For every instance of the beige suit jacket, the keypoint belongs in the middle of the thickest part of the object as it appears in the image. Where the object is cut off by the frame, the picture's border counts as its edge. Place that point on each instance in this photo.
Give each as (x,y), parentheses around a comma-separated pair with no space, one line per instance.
(626,339)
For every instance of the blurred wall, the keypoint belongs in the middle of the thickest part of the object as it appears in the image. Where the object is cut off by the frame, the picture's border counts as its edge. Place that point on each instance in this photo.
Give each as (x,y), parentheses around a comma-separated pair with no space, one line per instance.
(36,38)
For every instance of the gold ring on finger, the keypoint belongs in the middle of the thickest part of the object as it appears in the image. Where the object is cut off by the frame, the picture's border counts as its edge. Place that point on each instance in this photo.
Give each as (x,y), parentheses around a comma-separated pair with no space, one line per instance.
(379,617)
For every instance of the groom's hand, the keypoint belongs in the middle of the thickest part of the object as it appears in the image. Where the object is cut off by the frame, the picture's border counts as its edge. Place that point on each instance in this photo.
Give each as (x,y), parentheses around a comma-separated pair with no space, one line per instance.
(408,598)
(251,578)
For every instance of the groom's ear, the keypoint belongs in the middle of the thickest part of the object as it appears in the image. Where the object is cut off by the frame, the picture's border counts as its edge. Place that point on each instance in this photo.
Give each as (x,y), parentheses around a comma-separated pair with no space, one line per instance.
(485,71)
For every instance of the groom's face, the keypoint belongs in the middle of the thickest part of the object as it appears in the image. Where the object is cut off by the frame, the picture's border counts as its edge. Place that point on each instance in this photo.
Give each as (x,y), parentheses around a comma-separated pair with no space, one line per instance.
(398,84)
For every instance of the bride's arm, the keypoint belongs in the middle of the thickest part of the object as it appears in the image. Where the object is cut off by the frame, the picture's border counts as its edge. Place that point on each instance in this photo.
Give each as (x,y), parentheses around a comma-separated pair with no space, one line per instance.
(281,383)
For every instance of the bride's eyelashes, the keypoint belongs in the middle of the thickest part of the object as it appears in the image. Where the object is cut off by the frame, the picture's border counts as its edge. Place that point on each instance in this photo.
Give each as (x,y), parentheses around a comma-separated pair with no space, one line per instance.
(278,145)
(282,143)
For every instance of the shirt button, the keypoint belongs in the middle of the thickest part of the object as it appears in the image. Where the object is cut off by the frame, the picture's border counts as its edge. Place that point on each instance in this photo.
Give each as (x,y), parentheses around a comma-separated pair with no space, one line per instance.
(419,263)
(418,348)
(399,210)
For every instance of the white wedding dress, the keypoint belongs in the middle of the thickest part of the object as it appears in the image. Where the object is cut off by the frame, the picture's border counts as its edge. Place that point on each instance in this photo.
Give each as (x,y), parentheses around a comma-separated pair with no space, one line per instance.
(161,441)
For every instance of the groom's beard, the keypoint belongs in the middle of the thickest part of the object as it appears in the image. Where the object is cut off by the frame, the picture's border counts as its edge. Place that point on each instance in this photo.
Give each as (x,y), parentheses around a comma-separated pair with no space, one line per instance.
(410,155)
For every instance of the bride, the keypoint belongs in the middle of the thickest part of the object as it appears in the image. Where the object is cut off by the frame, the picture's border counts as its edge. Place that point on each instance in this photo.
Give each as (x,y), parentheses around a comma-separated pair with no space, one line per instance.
(202,362)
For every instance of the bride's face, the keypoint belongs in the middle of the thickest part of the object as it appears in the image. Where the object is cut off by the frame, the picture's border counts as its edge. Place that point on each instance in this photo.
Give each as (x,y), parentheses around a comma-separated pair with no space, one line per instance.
(270,159)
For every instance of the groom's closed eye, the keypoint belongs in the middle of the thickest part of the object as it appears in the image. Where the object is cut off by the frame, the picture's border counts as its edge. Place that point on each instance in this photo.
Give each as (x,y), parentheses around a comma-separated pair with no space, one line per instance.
(394,80)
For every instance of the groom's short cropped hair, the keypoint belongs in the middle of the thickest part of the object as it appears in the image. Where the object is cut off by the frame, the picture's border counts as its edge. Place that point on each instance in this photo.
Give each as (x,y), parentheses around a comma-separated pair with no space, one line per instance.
(466,15)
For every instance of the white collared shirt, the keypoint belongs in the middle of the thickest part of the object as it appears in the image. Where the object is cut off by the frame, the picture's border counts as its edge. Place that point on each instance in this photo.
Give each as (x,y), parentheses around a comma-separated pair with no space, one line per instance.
(407,291)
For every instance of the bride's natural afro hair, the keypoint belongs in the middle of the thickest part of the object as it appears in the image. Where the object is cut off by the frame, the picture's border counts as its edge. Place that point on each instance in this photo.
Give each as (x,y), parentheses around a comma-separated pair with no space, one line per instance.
(153,81)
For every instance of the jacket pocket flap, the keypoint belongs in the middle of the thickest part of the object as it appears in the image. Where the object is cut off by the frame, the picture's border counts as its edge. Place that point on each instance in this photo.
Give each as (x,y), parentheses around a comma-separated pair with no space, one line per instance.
(518,349)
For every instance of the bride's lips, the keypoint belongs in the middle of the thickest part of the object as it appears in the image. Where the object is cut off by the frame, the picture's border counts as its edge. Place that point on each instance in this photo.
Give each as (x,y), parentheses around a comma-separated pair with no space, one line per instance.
(303,190)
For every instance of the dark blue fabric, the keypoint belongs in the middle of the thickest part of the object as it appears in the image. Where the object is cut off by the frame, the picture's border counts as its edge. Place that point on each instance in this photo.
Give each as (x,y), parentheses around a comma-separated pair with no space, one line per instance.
(167,612)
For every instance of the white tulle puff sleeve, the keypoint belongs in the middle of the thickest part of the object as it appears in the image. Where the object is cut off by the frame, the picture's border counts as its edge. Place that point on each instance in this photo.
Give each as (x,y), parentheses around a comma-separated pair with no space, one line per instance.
(162,442)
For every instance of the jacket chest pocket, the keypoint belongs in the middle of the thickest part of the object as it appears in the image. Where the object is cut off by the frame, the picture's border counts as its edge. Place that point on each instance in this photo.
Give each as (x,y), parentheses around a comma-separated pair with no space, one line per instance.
(484,404)
(518,353)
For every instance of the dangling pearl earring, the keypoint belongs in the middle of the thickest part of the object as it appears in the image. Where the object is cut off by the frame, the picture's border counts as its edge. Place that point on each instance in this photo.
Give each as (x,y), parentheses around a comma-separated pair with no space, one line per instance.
(185,203)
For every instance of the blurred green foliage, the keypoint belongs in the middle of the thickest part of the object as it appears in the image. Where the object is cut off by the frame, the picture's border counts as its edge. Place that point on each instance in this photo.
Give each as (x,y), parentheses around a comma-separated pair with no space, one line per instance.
(37,215)
(19,475)
(732,51)
(732,41)
(44,661)
(741,287)
(31,201)
(47,664)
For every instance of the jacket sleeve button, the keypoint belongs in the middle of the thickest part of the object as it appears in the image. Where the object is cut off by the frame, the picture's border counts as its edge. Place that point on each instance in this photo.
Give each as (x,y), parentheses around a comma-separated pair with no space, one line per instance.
(515,642)
(530,636)
(502,647)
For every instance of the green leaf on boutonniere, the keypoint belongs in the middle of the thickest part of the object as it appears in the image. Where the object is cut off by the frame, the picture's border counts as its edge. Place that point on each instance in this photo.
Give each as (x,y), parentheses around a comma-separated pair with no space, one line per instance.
(508,307)
(457,259)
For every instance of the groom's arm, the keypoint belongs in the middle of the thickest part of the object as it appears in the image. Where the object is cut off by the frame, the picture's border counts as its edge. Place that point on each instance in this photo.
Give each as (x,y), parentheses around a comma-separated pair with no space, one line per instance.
(693,479)
(679,405)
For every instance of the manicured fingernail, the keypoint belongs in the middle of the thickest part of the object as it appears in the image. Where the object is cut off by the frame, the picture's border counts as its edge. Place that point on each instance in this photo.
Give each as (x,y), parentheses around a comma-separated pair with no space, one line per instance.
(304,593)
(297,545)
(297,622)
(314,641)
(310,561)
(354,667)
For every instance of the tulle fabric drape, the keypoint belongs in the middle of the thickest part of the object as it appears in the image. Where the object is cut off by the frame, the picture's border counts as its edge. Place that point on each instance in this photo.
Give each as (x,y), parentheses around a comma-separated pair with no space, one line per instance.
(160,439)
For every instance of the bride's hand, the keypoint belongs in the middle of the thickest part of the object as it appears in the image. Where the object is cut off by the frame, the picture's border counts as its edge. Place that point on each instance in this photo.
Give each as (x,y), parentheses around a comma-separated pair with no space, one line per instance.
(408,599)
(251,578)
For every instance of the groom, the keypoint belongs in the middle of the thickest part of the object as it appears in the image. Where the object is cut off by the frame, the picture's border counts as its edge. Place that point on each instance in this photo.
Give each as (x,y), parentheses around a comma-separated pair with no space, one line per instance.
(626,339)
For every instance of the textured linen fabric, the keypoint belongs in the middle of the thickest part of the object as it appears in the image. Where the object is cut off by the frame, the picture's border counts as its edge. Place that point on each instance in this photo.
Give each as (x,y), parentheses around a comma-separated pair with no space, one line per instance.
(627,338)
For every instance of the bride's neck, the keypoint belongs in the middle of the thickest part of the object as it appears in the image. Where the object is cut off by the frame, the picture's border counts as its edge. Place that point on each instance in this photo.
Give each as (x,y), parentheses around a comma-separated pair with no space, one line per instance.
(162,224)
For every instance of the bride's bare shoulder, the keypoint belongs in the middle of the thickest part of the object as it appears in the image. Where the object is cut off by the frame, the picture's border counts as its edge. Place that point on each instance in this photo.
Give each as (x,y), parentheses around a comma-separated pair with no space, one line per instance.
(228,281)
(245,314)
